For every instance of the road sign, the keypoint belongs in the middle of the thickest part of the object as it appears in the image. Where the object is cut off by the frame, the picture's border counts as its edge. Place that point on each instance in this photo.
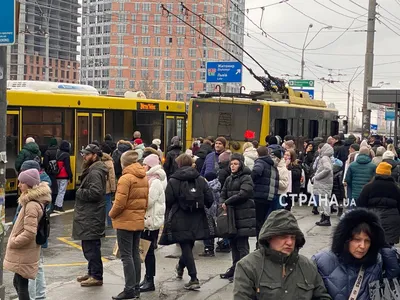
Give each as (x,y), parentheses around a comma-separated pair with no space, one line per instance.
(224,71)
(309,91)
(374,126)
(389,114)
(7,24)
(301,83)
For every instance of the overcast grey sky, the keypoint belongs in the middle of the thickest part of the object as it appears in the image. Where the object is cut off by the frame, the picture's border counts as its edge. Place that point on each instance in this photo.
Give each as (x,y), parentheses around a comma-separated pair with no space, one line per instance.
(288,25)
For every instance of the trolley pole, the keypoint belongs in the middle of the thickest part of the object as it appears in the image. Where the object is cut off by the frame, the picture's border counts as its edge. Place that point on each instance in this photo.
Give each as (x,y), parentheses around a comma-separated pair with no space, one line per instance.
(369,68)
(3,159)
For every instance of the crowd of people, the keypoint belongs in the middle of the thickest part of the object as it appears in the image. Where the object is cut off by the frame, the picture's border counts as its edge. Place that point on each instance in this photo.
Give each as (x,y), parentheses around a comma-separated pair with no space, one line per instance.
(127,186)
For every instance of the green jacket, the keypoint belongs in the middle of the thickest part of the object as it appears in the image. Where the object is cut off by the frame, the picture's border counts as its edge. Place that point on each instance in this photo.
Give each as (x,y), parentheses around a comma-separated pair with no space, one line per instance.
(266,274)
(30,151)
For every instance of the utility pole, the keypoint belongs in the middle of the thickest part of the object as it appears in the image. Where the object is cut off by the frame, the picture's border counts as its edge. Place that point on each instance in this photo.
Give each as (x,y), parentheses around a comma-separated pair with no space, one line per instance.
(369,68)
(47,37)
(3,158)
(352,112)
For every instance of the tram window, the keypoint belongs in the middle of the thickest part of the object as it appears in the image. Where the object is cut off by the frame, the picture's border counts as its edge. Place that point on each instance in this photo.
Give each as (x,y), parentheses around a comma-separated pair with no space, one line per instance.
(180,128)
(12,140)
(170,130)
(150,125)
(69,126)
(281,127)
(115,124)
(325,128)
(300,129)
(334,128)
(42,133)
(97,128)
(313,129)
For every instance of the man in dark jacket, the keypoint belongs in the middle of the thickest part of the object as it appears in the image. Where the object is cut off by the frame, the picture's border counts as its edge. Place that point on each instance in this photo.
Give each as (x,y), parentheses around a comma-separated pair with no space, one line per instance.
(343,152)
(50,155)
(205,149)
(278,261)
(265,176)
(30,151)
(90,214)
(238,194)
(211,162)
(110,143)
(122,147)
(170,165)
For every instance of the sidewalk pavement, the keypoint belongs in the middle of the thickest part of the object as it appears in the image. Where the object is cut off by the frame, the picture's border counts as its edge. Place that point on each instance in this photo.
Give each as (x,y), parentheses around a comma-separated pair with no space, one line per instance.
(169,288)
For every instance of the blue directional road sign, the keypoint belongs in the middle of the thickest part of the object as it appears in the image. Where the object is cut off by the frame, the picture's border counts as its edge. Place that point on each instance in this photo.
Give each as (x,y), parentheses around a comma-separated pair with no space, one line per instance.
(309,91)
(224,71)
(7,23)
(389,114)
(374,127)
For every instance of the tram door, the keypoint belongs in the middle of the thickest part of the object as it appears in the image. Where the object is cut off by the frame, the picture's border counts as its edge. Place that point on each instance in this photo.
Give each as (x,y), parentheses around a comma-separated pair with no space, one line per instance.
(174,126)
(90,127)
(12,148)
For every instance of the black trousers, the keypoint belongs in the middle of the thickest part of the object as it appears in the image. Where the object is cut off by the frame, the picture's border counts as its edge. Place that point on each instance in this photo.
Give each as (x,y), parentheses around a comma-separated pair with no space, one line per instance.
(92,252)
(21,286)
(262,209)
(150,260)
(187,259)
(240,248)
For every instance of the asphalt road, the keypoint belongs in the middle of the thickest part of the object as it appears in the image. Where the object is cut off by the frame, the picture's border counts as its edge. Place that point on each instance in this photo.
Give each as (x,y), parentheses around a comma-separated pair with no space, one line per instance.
(64,262)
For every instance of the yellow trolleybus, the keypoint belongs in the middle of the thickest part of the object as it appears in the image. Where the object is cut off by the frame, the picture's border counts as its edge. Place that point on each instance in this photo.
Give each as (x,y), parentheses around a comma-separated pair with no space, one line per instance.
(78,114)
(260,113)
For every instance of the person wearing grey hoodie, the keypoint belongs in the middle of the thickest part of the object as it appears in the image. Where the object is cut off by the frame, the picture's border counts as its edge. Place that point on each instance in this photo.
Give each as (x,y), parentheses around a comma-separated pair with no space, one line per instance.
(378,156)
(323,183)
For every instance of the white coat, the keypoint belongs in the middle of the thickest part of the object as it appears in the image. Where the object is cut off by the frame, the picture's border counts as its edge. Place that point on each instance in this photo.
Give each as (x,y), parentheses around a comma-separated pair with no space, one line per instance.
(154,217)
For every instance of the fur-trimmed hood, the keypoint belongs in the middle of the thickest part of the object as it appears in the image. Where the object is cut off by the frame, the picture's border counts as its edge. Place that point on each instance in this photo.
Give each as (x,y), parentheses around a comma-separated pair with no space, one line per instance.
(157,172)
(150,150)
(124,146)
(106,157)
(41,193)
(343,234)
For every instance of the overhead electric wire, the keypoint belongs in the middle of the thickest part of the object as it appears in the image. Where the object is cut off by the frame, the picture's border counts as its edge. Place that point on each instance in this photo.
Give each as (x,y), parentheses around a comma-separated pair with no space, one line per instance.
(388,27)
(355,3)
(388,12)
(322,23)
(339,13)
(265,6)
(344,8)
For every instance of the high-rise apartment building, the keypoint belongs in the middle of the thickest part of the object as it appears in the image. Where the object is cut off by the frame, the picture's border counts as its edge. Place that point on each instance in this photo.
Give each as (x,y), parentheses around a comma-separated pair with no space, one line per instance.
(27,58)
(134,45)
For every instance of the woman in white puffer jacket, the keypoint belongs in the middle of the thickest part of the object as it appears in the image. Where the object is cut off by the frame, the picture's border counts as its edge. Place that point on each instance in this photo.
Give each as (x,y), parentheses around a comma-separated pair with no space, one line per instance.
(154,217)
(250,155)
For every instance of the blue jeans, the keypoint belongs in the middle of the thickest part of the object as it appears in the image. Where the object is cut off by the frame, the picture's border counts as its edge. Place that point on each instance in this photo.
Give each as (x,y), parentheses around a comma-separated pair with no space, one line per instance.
(37,287)
(108,208)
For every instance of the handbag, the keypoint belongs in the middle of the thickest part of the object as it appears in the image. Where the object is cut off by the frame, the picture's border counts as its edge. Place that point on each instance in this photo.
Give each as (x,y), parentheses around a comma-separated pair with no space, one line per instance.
(357,285)
(226,226)
(144,246)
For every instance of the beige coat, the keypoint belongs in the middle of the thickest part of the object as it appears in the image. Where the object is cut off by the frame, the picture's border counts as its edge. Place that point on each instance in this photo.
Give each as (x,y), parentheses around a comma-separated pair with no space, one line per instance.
(111,183)
(23,254)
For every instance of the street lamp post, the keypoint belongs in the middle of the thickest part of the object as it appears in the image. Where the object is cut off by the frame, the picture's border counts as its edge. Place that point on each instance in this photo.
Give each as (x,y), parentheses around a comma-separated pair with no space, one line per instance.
(306,45)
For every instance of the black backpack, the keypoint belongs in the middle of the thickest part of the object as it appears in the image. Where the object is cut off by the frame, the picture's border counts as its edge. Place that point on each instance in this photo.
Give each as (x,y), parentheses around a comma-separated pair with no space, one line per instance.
(43,229)
(53,168)
(192,195)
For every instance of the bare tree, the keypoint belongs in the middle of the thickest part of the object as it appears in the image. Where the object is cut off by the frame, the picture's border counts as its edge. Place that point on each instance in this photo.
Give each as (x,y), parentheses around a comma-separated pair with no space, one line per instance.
(151,88)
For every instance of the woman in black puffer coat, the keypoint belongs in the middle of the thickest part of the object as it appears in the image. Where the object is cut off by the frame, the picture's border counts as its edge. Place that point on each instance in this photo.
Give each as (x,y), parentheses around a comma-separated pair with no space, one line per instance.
(292,164)
(237,192)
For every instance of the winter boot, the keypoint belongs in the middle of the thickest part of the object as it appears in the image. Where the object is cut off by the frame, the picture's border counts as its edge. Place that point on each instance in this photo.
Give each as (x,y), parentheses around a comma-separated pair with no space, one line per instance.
(125,295)
(222,246)
(325,221)
(91,282)
(83,278)
(315,210)
(333,210)
(208,252)
(147,285)
(340,212)
(228,274)
(193,284)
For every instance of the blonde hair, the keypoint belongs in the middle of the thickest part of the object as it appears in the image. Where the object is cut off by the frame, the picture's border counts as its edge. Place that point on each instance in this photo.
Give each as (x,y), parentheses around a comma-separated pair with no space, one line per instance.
(247,145)
(391,148)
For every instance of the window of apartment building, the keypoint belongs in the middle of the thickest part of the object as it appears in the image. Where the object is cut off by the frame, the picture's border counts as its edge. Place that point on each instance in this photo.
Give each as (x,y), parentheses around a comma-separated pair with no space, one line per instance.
(167,74)
(99,30)
(191,86)
(169,29)
(120,84)
(137,6)
(194,64)
(145,29)
(92,19)
(146,6)
(62,74)
(92,30)
(179,86)
(37,70)
(106,62)
(119,73)
(121,40)
(168,85)
(91,52)
(132,84)
(133,17)
(157,29)
(169,19)
(167,52)
(145,40)
(157,18)
(144,74)
(98,41)
(106,73)
(107,6)
(193,75)
(135,51)
(121,7)
(167,96)
(31,70)
(136,40)
(122,17)
(179,75)
(144,62)
(205,8)
(121,28)
(145,18)
(180,30)
(120,62)
(156,63)
(205,53)
(192,52)
(158,40)
(156,85)
(133,28)
(133,62)
(168,63)
(91,41)
(179,97)
(157,51)
(194,7)
(146,51)
(170,6)
(156,74)
(107,28)
(98,51)
(179,52)
(202,75)
(106,51)
(168,40)
(56,73)
(31,59)
(100,7)
(143,85)
(193,41)
(180,64)
(133,73)
(106,40)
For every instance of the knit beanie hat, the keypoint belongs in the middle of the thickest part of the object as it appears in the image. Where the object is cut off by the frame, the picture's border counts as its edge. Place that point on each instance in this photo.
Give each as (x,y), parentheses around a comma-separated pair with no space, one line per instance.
(364,150)
(138,141)
(29,140)
(175,141)
(108,137)
(211,176)
(152,160)
(30,164)
(384,169)
(222,140)
(53,142)
(128,158)
(105,148)
(156,142)
(272,141)
(225,156)
(388,155)
(356,147)
(30,177)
